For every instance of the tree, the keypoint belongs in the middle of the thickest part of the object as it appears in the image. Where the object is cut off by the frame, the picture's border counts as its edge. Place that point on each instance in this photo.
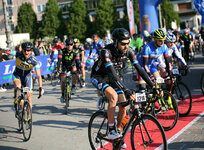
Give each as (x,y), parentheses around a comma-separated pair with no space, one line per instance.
(124,21)
(104,17)
(168,13)
(27,20)
(50,19)
(76,27)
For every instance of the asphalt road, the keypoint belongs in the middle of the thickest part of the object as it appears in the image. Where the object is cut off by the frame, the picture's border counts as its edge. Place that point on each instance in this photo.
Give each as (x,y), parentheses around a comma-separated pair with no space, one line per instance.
(53,130)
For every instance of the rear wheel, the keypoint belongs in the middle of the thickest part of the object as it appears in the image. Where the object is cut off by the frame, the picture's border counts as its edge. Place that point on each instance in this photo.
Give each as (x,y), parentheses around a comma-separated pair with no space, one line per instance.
(168,112)
(183,97)
(27,121)
(147,133)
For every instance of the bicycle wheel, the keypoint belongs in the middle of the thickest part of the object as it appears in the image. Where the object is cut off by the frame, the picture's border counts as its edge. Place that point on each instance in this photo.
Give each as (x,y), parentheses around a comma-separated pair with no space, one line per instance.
(168,113)
(202,83)
(97,129)
(67,96)
(19,116)
(27,121)
(183,97)
(147,133)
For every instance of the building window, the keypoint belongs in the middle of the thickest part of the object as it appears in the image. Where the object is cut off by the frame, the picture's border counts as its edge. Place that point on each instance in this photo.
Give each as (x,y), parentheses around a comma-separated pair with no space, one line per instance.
(185,6)
(39,9)
(12,27)
(43,7)
(9,2)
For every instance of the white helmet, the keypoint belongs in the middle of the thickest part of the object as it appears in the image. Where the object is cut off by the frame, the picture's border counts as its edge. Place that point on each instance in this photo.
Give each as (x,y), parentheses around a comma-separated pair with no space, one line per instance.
(88,40)
(108,41)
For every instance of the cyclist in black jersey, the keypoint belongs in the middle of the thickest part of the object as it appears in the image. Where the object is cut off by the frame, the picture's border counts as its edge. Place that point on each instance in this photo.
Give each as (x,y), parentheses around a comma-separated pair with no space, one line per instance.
(80,49)
(25,63)
(104,76)
(68,60)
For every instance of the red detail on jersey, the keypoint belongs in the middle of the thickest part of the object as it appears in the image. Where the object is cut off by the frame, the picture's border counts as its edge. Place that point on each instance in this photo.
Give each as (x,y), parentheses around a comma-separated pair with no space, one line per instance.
(107,59)
(167,55)
(58,47)
(77,58)
(59,56)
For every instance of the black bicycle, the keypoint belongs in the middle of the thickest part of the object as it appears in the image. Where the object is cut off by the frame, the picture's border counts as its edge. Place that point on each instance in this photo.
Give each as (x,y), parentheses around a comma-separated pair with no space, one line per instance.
(146,131)
(67,90)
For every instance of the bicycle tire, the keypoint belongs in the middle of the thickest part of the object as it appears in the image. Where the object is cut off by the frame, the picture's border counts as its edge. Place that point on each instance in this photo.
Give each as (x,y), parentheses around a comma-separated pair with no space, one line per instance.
(53,78)
(19,115)
(67,96)
(152,132)
(97,127)
(27,121)
(183,97)
(202,83)
(169,114)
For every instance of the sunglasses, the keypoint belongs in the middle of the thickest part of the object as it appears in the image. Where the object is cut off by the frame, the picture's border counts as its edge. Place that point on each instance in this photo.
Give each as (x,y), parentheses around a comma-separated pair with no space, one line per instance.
(28,50)
(69,44)
(123,44)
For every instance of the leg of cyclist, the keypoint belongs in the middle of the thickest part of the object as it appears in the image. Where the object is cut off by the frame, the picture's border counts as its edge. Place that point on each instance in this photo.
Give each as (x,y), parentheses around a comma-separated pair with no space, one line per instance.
(17,85)
(62,78)
(28,83)
(83,73)
(74,79)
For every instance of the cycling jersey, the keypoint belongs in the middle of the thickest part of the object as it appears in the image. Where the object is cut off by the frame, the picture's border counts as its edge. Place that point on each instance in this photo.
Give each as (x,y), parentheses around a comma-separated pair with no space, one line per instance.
(96,46)
(24,68)
(172,52)
(79,50)
(56,48)
(104,70)
(68,60)
(137,44)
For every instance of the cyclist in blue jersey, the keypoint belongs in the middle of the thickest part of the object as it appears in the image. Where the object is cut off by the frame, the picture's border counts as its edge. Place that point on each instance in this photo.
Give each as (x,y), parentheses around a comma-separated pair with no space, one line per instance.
(173,52)
(151,52)
(22,75)
(96,44)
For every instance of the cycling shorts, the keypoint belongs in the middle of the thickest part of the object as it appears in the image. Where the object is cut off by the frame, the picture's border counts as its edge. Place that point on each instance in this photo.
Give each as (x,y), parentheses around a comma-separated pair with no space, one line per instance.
(26,81)
(153,69)
(101,83)
(65,70)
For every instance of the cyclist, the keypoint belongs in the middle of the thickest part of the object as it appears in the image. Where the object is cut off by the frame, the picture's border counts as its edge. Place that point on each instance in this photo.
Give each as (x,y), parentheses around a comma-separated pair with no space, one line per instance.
(105,78)
(22,75)
(68,60)
(96,44)
(80,49)
(57,46)
(136,43)
(173,52)
(150,53)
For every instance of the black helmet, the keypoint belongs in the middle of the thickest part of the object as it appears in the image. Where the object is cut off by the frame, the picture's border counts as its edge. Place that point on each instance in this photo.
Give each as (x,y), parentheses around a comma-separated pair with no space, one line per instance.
(27,45)
(120,34)
(55,40)
(135,35)
(69,41)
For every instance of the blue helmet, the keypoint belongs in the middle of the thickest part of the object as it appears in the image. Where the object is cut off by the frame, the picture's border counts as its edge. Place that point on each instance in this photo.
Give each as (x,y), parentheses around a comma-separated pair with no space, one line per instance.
(170,37)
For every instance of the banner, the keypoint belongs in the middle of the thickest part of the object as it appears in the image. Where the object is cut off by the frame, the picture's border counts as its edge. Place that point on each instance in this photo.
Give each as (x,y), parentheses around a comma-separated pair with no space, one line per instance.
(199,5)
(130,13)
(7,67)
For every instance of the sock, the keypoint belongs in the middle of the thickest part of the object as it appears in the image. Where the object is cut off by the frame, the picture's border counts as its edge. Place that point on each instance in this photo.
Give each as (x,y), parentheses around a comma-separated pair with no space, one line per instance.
(111,127)
(83,78)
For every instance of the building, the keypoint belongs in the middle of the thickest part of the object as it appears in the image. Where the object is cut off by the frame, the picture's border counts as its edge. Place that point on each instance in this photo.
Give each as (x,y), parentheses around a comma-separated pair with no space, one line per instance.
(188,14)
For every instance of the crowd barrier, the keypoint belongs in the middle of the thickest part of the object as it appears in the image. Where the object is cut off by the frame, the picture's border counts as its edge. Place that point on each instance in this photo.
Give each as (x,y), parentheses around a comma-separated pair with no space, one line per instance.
(7,67)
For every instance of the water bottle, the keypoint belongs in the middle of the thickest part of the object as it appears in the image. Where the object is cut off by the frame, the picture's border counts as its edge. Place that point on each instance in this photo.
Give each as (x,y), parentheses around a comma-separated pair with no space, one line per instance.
(124,122)
(21,103)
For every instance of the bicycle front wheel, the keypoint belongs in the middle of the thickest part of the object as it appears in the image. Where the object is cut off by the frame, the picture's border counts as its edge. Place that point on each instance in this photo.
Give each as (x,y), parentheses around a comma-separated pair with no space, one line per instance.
(147,133)
(27,121)
(168,112)
(97,130)
(67,96)
(183,97)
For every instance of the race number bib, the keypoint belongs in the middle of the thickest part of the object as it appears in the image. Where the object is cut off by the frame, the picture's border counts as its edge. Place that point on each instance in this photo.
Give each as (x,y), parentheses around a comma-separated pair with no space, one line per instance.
(159,80)
(140,97)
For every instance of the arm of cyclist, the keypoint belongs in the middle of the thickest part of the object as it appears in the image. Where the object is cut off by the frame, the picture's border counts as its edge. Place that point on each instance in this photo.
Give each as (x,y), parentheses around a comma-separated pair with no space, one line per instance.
(77,61)
(179,56)
(59,61)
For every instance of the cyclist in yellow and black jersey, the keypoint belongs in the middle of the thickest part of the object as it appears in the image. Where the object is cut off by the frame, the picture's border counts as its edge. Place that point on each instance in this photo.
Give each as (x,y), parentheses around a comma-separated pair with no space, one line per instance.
(80,49)
(69,61)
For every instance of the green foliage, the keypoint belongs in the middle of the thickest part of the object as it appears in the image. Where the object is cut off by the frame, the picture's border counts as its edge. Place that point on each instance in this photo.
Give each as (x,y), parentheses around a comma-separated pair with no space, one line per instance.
(168,13)
(27,20)
(76,27)
(50,20)
(124,22)
(104,17)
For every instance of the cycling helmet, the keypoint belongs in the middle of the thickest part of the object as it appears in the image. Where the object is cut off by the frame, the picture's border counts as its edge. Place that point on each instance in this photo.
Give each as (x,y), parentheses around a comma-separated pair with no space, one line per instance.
(95,36)
(146,33)
(76,40)
(135,35)
(69,41)
(88,40)
(108,41)
(55,40)
(27,45)
(159,34)
(170,37)
(120,34)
